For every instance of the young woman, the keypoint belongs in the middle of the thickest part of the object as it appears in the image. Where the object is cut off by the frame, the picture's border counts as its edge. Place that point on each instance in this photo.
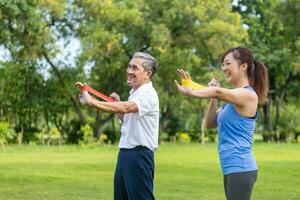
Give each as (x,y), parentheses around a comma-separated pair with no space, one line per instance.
(236,119)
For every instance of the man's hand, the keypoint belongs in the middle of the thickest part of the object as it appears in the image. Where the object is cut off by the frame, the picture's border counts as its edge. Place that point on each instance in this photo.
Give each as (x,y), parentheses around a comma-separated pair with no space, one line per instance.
(115,96)
(85,98)
(79,85)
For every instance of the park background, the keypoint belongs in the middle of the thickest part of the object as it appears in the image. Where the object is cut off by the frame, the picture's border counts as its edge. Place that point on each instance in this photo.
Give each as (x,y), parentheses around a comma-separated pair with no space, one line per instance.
(54,148)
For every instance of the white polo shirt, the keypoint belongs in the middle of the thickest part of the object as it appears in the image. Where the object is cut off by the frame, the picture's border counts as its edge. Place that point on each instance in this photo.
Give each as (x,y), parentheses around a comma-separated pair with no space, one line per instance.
(141,128)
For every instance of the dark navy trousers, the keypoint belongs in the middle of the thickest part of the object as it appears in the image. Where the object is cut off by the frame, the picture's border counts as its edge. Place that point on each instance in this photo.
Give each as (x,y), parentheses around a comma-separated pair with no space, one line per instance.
(134,174)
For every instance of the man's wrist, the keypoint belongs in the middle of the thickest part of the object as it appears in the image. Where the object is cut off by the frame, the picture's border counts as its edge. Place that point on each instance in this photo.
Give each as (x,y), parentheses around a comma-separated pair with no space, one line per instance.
(89,102)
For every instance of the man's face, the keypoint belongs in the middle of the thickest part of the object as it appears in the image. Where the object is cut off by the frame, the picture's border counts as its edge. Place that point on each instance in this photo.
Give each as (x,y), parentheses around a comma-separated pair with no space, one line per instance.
(136,74)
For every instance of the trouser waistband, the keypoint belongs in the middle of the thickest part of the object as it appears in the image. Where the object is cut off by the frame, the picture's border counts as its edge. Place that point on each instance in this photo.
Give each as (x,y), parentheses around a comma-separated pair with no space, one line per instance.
(140,147)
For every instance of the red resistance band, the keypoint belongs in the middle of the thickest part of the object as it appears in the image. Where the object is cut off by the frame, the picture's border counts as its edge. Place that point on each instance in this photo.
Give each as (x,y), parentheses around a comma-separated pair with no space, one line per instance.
(95,92)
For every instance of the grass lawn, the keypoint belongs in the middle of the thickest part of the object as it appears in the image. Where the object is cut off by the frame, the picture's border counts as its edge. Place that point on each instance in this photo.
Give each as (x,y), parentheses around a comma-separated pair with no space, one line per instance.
(183,172)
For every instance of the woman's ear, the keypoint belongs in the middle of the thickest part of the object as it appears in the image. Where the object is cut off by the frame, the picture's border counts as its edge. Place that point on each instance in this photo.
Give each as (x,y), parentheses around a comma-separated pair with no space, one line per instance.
(244,66)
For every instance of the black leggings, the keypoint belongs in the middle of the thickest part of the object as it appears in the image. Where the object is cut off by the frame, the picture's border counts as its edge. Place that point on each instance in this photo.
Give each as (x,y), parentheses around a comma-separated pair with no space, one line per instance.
(238,186)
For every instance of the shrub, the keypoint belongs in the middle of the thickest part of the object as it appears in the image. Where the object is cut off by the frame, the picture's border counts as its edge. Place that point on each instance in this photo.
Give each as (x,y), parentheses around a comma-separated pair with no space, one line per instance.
(88,138)
(42,137)
(103,138)
(184,137)
(288,124)
(163,136)
(54,136)
(6,133)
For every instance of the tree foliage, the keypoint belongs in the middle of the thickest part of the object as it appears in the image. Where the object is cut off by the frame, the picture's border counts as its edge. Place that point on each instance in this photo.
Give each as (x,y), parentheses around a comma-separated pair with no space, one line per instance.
(37,75)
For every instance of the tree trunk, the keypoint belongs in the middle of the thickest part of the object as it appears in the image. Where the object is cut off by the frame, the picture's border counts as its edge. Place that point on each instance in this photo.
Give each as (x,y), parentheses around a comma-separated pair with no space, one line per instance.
(267,116)
(46,115)
(203,130)
(277,116)
(279,97)
(67,92)
(1,110)
(20,136)
(58,124)
(99,121)
(277,111)
(98,128)
(267,122)
(165,113)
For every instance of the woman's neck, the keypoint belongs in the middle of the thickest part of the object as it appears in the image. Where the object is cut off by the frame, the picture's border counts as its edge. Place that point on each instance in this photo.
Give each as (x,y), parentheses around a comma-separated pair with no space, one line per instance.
(243,82)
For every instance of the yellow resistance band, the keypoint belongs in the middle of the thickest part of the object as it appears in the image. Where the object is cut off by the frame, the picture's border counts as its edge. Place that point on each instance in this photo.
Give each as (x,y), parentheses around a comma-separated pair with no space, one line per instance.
(192,84)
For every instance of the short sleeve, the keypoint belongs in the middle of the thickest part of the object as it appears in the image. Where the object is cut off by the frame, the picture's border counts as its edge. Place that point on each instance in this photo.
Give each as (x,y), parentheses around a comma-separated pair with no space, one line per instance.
(145,102)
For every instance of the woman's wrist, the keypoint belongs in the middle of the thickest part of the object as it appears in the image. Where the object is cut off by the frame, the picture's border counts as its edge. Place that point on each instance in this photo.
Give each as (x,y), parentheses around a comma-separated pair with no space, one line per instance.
(189,92)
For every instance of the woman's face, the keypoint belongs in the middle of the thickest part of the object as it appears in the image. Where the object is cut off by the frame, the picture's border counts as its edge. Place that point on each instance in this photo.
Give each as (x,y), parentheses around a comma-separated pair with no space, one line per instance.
(230,68)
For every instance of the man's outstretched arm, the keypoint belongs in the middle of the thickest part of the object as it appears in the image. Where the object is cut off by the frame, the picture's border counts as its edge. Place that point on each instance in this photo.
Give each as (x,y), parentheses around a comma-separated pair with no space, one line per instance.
(121,107)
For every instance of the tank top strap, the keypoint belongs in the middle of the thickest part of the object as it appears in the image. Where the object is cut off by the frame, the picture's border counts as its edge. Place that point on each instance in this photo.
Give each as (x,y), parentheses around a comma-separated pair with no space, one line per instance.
(249,88)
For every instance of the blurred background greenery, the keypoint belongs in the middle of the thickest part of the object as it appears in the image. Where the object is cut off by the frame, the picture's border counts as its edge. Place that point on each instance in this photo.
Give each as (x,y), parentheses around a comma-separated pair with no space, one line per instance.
(48,45)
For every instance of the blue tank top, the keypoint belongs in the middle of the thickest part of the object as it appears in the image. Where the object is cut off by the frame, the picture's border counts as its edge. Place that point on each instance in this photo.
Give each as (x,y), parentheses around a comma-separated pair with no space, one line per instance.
(235,139)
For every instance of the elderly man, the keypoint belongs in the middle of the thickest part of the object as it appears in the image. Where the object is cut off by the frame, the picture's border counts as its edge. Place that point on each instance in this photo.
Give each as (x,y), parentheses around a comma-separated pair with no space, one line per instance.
(134,172)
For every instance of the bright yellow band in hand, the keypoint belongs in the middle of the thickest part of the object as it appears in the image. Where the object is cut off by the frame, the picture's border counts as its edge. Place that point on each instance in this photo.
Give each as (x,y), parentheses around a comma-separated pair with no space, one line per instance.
(192,84)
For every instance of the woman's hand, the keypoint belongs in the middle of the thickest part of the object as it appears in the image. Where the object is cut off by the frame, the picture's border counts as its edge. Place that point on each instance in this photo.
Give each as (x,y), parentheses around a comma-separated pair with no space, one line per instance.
(182,89)
(183,74)
(214,82)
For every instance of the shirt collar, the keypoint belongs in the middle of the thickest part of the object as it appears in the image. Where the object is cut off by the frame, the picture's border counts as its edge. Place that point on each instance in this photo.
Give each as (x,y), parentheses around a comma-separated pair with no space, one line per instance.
(145,85)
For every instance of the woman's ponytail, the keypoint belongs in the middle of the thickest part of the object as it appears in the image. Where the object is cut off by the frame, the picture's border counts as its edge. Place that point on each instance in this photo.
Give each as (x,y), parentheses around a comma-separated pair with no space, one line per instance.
(259,81)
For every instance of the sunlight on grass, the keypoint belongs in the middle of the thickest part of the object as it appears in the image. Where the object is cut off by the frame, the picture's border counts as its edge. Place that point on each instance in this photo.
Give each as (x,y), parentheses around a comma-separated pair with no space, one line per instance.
(183,171)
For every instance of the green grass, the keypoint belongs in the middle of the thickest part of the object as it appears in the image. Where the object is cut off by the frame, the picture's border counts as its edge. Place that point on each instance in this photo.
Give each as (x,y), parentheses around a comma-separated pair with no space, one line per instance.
(185,171)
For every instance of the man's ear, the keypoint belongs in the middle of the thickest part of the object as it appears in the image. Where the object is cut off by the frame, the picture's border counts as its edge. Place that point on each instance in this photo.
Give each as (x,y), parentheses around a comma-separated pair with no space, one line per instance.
(149,73)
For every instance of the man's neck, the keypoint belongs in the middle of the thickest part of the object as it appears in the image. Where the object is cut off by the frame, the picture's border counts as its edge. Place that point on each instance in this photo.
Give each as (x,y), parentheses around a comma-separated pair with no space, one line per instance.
(137,87)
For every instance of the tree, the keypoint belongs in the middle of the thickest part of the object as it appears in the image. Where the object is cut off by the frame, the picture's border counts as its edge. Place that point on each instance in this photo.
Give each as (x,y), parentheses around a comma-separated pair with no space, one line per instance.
(29,30)
(274,38)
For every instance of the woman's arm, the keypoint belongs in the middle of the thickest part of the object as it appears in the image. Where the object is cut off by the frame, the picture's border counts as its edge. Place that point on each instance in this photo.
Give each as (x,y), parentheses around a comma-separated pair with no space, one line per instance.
(211,114)
(239,96)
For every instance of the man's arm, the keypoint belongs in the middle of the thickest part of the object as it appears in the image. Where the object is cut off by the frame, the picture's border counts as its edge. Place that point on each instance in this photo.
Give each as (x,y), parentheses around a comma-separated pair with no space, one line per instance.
(111,107)
(115,107)
(116,97)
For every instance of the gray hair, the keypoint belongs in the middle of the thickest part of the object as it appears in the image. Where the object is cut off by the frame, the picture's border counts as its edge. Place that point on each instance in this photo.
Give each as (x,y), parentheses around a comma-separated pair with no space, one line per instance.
(149,62)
